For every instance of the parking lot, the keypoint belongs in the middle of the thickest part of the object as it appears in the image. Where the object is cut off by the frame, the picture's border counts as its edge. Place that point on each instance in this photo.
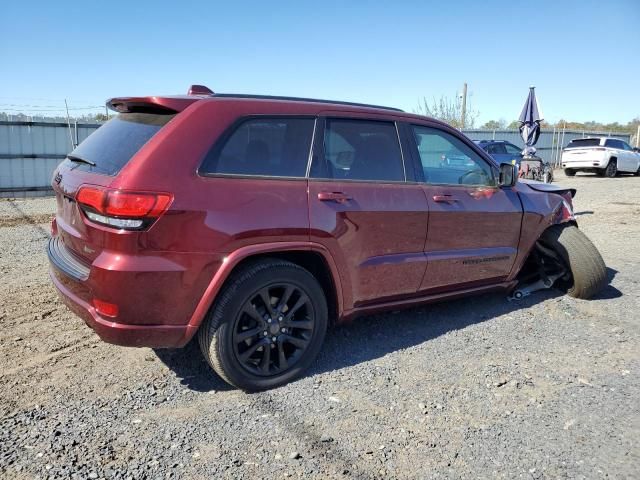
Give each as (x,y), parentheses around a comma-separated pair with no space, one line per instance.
(546,387)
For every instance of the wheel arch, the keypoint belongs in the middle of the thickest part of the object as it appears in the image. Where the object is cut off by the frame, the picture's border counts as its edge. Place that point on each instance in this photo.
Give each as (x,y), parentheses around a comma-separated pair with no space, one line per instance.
(541,210)
(313,257)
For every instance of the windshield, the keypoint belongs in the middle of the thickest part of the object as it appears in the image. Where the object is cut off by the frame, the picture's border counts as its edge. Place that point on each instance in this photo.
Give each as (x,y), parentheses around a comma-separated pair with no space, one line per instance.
(112,145)
(584,142)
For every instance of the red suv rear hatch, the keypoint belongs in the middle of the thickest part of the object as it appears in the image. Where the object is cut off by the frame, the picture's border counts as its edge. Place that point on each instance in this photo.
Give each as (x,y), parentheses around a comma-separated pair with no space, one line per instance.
(85,221)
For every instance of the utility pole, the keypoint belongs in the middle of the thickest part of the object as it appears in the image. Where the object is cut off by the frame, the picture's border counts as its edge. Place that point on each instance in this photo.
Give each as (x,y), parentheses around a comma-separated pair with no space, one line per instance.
(638,137)
(464,106)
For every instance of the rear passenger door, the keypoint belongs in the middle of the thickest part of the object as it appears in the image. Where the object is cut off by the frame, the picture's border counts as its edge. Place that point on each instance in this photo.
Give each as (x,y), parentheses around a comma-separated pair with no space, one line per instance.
(474,226)
(631,158)
(363,209)
(617,151)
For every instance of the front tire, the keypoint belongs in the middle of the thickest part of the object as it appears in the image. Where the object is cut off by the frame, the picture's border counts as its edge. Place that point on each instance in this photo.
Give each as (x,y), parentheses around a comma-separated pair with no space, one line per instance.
(569,172)
(581,258)
(267,325)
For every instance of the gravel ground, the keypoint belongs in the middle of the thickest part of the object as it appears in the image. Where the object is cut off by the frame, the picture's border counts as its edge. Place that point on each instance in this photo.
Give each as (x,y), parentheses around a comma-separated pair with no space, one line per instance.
(476,388)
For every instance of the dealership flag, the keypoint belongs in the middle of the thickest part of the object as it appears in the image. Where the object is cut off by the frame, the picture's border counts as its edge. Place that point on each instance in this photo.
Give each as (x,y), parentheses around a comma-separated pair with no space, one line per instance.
(530,119)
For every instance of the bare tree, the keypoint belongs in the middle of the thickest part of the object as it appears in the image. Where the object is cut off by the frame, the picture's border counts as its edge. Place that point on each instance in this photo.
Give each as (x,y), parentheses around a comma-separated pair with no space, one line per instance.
(448,110)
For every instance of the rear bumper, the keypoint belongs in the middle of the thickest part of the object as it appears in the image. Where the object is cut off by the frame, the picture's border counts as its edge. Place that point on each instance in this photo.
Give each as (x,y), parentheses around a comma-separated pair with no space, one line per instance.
(587,163)
(156,296)
(155,336)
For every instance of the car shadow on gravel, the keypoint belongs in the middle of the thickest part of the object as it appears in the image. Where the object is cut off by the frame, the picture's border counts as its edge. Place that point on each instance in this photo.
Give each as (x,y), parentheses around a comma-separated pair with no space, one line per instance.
(191,368)
(368,338)
(609,291)
(375,336)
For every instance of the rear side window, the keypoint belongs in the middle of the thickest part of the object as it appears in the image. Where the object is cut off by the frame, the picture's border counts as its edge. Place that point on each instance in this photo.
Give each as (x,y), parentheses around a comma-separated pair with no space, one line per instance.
(112,145)
(274,147)
(360,150)
(512,149)
(497,148)
(612,143)
(584,142)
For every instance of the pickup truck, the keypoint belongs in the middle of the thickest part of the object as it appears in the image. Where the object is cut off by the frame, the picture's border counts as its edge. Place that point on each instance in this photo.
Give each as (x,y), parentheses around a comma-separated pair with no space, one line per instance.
(602,155)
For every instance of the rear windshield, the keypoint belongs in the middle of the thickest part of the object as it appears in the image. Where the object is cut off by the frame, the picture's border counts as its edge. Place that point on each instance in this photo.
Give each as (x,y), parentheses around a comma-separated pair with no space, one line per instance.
(112,145)
(584,142)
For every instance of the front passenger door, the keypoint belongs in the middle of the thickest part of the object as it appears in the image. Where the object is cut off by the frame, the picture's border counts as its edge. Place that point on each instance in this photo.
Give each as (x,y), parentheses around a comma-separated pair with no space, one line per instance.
(474,226)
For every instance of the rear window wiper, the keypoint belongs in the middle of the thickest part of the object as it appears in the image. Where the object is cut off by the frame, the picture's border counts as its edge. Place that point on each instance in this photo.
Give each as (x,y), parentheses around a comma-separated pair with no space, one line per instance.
(75,158)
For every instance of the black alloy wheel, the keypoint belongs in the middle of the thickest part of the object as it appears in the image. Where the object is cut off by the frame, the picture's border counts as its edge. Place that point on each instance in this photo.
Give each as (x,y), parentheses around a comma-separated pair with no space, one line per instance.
(273,329)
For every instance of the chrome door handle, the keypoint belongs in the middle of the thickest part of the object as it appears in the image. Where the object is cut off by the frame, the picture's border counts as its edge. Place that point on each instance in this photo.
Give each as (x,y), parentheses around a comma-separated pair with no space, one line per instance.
(339,197)
(444,199)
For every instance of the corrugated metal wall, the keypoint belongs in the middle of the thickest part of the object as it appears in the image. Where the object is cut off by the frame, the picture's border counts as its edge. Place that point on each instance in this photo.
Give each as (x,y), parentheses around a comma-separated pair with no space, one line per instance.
(547,145)
(30,152)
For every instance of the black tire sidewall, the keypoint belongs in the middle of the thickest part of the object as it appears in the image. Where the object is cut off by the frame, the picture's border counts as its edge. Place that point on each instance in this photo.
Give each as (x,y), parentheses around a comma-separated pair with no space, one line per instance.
(227,315)
(563,239)
(611,167)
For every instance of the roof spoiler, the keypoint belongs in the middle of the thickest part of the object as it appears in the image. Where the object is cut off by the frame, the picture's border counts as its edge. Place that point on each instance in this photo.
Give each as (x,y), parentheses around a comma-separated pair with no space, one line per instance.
(166,105)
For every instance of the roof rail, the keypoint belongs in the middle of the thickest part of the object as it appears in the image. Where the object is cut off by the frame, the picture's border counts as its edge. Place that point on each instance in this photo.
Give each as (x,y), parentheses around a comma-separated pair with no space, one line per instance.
(299,99)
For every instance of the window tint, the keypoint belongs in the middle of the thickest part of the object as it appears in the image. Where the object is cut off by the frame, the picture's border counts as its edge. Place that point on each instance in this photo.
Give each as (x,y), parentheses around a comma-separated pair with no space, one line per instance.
(448,160)
(360,150)
(277,147)
(512,149)
(626,146)
(112,145)
(496,148)
(584,142)
(613,143)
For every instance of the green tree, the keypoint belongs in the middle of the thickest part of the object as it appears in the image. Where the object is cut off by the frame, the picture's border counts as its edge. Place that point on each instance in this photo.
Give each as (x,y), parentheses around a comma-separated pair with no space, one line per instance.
(495,125)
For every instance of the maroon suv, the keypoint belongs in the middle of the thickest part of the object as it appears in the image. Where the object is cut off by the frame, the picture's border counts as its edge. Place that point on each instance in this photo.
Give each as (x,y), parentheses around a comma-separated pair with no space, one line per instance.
(256,221)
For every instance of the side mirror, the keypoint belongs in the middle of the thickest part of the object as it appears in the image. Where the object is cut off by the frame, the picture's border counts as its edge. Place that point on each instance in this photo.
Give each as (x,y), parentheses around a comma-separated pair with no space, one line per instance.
(508,175)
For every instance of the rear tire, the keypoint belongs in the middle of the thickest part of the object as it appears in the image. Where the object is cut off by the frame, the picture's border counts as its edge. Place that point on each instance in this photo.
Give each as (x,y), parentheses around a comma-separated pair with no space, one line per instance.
(581,257)
(612,169)
(569,172)
(273,296)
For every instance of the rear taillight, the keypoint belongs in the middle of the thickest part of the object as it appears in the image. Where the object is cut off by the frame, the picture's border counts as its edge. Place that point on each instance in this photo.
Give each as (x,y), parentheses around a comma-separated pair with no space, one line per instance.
(122,209)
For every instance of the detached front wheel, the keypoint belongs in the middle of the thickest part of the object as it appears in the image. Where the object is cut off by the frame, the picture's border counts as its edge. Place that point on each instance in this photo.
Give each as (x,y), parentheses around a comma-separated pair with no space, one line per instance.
(267,325)
(588,272)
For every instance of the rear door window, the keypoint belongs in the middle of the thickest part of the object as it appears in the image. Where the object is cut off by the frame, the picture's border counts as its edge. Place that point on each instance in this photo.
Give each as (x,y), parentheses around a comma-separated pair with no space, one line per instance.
(112,145)
(274,147)
(360,150)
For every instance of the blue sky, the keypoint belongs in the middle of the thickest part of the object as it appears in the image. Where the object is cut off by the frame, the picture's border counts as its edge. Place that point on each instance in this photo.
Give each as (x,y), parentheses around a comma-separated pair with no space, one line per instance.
(583,56)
